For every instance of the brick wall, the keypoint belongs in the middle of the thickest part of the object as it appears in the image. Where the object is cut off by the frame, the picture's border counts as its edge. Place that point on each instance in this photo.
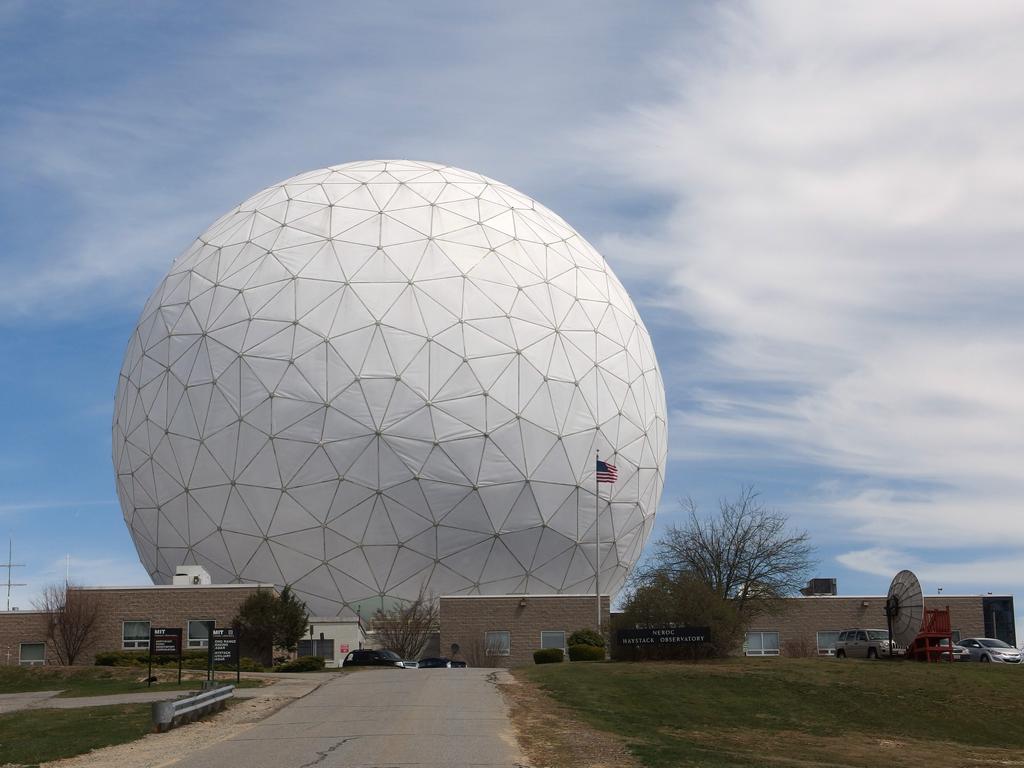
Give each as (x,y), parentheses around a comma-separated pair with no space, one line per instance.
(464,620)
(18,627)
(800,618)
(162,606)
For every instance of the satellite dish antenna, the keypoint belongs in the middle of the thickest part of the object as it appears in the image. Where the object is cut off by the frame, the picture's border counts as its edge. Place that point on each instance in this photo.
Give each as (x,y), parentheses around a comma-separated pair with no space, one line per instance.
(904,609)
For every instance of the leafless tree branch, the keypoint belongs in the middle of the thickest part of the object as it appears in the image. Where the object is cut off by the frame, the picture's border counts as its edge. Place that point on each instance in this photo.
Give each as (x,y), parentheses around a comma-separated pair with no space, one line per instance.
(72,614)
(406,628)
(746,553)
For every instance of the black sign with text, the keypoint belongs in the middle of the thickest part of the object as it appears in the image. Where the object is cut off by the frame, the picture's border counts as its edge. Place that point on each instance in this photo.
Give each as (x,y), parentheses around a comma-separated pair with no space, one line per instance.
(225,646)
(648,636)
(165,641)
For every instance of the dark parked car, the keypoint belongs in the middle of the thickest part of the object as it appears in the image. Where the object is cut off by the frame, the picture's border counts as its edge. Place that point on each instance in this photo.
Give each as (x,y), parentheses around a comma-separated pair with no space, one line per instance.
(368,658)
(435,663)
(440,662)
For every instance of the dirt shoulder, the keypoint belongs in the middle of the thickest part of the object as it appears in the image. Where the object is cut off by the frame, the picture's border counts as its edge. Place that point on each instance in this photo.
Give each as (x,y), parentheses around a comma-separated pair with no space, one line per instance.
(551,735)
(156,750)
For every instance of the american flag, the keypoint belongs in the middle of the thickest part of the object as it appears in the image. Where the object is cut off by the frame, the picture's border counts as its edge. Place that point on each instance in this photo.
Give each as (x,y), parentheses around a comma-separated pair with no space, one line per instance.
(606,473)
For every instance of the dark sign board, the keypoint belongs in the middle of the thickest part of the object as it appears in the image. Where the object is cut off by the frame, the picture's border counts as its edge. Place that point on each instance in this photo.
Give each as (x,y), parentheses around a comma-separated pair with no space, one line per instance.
(662,636)
(165,641)
(225,646)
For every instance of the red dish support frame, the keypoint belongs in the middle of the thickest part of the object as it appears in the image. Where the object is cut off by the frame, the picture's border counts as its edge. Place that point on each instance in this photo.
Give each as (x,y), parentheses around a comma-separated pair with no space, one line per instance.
(927,646)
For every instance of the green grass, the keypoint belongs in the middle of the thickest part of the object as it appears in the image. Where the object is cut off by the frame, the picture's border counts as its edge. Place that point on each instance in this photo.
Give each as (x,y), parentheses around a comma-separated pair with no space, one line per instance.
(95,681)
(40,735)
(777,711)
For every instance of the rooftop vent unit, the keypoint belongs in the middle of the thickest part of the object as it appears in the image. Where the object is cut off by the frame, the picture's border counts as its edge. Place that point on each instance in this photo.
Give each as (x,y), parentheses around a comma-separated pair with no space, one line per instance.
(819,587)
(191,575)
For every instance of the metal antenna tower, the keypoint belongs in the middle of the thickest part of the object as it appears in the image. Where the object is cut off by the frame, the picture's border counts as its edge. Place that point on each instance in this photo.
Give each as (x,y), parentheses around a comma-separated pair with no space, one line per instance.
(9,565)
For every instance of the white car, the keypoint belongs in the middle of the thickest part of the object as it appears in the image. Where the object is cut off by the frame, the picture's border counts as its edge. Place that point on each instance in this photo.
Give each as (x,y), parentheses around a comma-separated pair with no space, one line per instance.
(990,649)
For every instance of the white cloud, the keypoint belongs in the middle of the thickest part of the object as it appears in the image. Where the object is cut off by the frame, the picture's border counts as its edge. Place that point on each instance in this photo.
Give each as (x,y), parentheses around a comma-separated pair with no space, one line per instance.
(848,184)
(141,164)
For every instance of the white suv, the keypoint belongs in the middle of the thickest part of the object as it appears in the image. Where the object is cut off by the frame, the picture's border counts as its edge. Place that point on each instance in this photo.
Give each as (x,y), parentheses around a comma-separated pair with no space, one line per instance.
(862,643)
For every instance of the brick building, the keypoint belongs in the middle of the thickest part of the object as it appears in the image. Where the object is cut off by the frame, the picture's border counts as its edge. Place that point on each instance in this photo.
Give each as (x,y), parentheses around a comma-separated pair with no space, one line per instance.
(807,626)
(506,630)
(125,617)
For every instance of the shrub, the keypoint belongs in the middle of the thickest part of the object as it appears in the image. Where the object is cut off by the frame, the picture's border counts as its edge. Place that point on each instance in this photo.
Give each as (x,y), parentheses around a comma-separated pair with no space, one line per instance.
(586,653)
(195,659)
(548,656)
(302,664)
(586,637)
(120,659)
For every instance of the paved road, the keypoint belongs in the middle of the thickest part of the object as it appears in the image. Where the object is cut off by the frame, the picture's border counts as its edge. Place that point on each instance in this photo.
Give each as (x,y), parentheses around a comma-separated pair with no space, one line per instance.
(388,717)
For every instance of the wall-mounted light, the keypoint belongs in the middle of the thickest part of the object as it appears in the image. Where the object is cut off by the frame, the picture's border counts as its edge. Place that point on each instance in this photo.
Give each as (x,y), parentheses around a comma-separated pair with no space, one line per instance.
(522,602)
(864,603)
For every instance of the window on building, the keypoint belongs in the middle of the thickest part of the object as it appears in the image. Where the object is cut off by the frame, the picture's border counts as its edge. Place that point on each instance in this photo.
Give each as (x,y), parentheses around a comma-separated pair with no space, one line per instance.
(32,654)
(498,643)
(198,633)
(956,636)
(316,647)
(827,642)
(762,644)
(135,634)
(552,639)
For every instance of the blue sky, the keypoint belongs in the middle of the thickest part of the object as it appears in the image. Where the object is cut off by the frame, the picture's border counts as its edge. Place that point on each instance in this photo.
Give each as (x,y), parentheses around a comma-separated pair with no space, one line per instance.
(816,209)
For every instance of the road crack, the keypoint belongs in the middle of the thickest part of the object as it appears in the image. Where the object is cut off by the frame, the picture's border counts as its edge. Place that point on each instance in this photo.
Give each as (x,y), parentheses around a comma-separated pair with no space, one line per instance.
(321,756)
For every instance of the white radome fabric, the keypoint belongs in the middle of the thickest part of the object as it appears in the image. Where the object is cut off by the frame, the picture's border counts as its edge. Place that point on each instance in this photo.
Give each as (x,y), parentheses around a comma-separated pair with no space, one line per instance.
(390,375)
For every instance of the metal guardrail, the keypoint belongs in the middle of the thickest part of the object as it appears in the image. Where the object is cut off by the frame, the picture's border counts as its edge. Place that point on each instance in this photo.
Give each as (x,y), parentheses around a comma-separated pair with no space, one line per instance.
(167,714)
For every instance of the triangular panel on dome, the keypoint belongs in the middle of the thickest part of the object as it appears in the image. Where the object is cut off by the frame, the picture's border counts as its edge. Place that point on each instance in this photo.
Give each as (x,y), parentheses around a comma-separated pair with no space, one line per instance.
(424,543)
(497,467)
(344,453)
(410,568)
(292,564)
(501,564)
(470,514)
(508,440)
(316,497)
(407,219)
(207,471)
(320,583)
(261,502)
(237,517)
(469,563)
(287,456)
(380,529)
(442,496)
(380,560)
(348,407)
(402,347)
(261,567)
(378,360)
(537,442)
(210,551)
(308,542)
(365,469)
(523,545)
(351,521)
(445,581)
(211,502)
(378,297)
(315,470)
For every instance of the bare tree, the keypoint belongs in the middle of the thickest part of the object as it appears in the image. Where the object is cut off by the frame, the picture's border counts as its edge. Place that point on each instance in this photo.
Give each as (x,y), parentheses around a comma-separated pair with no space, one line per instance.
(478,653)
(72,614)
(406,627)
(746,553)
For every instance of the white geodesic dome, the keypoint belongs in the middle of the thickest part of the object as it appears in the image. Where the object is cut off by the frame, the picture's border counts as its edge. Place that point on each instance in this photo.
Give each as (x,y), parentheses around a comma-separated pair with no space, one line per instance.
(384,376)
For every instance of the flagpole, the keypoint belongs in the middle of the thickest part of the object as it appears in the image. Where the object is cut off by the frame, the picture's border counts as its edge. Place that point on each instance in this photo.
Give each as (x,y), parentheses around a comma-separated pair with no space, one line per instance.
(597,539)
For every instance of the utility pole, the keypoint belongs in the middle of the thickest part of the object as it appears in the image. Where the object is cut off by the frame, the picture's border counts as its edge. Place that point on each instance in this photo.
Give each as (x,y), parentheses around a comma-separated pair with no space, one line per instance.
(9,565)
(597,540)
